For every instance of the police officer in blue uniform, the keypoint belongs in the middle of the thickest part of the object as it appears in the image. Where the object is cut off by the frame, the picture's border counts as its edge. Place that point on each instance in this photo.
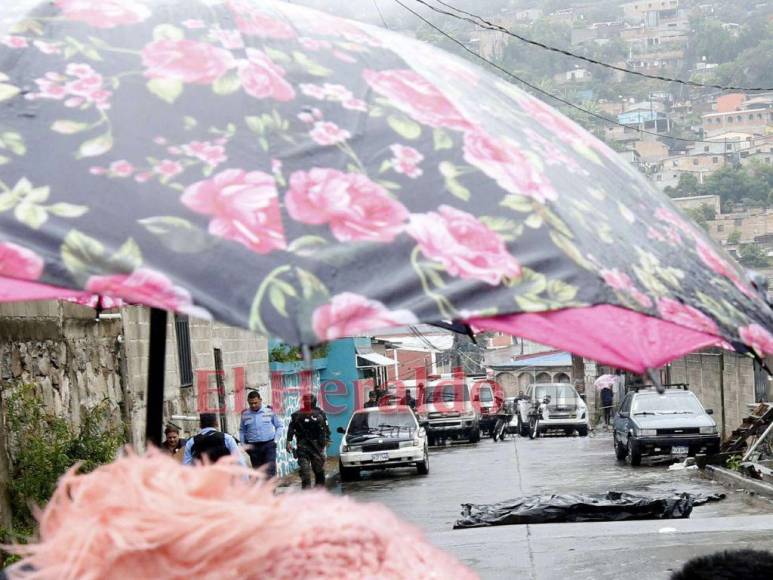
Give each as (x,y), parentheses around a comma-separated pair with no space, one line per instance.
(259,431)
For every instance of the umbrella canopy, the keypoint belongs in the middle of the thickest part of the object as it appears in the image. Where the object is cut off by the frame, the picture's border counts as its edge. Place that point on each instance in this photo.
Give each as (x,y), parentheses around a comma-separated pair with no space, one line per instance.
(310,177)
(605,381)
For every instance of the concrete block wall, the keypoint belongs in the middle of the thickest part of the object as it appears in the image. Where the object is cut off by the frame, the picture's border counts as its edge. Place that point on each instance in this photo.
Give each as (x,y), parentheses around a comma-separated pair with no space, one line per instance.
(240,348)
(701,372)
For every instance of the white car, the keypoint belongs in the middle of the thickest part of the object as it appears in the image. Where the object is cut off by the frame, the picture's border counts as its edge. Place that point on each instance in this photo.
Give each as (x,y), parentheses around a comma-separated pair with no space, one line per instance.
(382,438)
(566,411)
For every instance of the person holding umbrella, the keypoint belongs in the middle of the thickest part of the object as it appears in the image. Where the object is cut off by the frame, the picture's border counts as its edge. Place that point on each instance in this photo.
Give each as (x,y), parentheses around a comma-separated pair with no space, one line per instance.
(607,401)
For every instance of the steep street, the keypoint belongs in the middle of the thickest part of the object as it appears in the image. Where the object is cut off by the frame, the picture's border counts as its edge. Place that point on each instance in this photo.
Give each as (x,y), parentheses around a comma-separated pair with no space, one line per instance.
(492,472)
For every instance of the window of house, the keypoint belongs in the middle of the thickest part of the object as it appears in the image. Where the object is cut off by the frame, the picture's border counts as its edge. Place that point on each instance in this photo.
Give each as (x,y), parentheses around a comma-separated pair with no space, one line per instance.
(738,118)
(184,359)
(751,116)
(695,161)
(720,228)
(729,119)
(737,221)
(706,148)
(767,160)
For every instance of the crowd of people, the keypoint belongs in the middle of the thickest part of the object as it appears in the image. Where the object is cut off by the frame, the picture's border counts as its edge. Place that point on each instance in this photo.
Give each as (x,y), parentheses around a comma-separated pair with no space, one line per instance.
(260,430)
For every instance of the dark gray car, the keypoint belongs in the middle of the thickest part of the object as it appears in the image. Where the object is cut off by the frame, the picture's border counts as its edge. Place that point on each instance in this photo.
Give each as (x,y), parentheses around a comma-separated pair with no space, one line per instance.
(674,422)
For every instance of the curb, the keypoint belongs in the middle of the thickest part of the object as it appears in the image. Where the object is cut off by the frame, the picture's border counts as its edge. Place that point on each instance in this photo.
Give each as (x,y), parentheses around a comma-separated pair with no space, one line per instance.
(731,478)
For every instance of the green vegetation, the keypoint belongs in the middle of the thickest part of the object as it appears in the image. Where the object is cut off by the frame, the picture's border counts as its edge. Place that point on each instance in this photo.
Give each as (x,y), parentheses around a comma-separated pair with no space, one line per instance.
(745,186)
(702,214)
(46,446)
(753,256)
(284,353)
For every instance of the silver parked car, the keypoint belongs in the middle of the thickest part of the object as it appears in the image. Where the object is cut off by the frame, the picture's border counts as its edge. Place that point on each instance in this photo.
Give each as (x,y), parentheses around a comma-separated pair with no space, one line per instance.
(669,423)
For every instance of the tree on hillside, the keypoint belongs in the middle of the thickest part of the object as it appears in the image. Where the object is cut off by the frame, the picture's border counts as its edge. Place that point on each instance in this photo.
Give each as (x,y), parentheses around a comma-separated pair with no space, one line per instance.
(753,255)
(687,186)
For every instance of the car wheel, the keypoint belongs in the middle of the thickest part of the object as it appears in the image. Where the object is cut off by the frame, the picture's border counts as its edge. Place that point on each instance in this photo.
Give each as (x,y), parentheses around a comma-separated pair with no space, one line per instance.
(583,431)
(620,450)
(475,435)
(422,468)
(348,473)
(634,454)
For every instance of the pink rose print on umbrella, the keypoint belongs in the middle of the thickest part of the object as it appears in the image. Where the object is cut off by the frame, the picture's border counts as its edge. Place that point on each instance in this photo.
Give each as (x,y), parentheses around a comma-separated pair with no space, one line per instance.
(721,266)
(19,262)
(350,314)
(504,162)
(168,168)
(327,133)
(354,206)
(758,338)
(406,160)
(253,22)
(14,41)
(193,24)
(104,13)
(121,168)
(670,217)
(413,94)
(148,287)
(686,316)
(263,79)
(244,208)
(81,85)
(206,151)
(563,129)
(47,47)
(185,60)
(621,282)
(230,39)
(463,245)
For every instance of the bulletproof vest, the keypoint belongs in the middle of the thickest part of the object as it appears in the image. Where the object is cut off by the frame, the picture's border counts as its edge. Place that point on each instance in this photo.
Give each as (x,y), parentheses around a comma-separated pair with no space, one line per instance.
(310,426)
(210,444)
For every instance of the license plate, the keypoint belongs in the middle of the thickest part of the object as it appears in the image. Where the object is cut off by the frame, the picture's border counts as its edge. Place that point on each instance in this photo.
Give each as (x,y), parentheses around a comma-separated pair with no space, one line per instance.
(680,450)
(381,457)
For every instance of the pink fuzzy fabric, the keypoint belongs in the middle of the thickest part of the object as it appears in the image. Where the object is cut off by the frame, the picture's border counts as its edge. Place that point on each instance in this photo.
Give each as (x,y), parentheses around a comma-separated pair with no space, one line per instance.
(150,517)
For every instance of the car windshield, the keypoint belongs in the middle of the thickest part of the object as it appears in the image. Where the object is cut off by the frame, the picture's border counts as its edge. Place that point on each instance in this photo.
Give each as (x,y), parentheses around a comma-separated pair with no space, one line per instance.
(560,395)
(486,395)
(673,404)
(447,393)
(378,421)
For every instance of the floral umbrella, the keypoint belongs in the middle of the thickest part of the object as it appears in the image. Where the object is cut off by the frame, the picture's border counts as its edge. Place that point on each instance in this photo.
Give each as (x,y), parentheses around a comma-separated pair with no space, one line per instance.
(310,177)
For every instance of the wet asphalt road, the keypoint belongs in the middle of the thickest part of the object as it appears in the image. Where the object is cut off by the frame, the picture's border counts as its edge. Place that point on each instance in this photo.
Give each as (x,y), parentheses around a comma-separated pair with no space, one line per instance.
(490,472)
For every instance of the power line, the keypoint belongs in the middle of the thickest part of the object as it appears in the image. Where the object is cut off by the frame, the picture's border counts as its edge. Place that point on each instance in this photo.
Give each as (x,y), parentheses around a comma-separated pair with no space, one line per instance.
(375,3)
(536,88)
(483,23)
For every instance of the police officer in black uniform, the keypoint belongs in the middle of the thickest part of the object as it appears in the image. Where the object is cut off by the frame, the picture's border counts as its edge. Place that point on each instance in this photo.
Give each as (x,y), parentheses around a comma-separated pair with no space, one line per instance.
(312,434)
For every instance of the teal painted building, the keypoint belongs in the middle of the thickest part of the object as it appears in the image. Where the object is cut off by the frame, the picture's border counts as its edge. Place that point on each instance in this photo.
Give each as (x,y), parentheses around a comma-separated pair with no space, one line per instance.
(339,385)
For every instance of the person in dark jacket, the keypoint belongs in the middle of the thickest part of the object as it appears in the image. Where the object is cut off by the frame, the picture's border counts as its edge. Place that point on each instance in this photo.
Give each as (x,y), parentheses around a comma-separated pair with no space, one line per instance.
(310,429)
(607,400)
(173,444)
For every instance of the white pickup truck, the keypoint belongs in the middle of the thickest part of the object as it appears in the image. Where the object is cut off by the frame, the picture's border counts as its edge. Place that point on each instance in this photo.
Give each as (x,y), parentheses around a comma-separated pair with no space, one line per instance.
(566,411)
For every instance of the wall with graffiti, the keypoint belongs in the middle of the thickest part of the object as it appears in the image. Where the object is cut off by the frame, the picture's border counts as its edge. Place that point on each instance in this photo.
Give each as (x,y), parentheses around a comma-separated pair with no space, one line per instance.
(288,382)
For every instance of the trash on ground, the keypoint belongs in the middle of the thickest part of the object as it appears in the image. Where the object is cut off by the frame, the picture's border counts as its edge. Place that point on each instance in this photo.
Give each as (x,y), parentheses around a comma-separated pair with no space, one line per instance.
(688,463)
(667,530)
(611,506)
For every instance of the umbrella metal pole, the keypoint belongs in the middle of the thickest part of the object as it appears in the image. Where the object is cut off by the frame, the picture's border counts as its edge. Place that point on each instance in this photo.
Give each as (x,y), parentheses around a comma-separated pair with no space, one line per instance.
(154,411)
